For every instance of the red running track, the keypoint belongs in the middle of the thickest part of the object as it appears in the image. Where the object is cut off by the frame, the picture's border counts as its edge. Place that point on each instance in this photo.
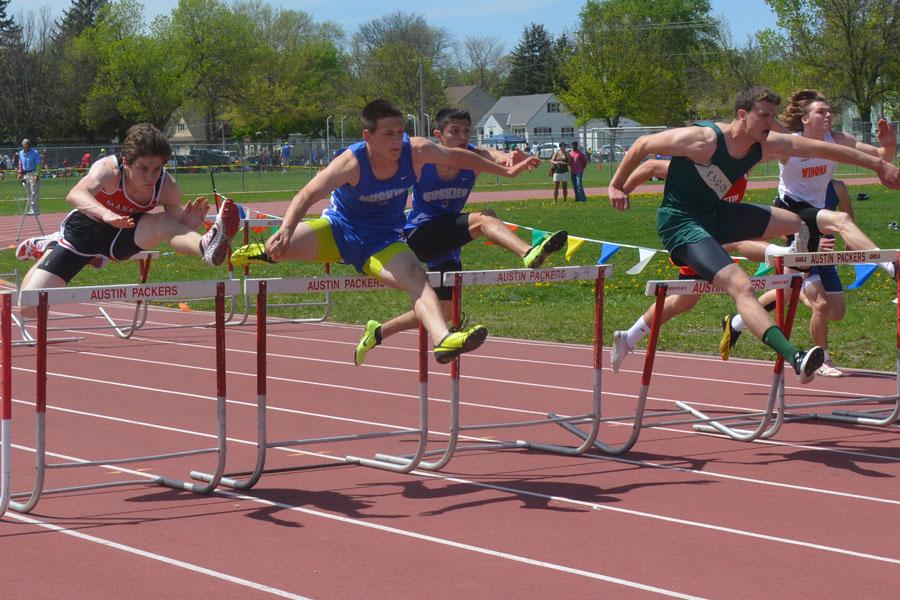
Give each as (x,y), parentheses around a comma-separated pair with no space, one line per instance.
(811,514)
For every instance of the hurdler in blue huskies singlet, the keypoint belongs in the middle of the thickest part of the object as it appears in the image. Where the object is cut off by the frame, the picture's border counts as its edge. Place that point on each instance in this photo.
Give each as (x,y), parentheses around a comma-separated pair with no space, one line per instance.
(369,217)
(435,197)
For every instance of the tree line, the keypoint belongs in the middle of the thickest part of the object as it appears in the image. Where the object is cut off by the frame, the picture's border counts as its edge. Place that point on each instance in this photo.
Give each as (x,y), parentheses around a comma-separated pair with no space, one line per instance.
(250,69)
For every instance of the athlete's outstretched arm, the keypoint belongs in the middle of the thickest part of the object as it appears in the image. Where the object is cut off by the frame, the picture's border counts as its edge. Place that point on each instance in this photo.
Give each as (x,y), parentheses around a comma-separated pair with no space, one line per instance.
(696,143)
(425,151)
(649,169)
(342,170)
(778,145)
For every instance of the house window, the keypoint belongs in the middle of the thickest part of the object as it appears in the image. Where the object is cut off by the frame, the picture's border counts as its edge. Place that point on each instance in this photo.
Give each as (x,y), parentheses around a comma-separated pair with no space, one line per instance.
(568,132)
(542,131)
(182,126)
(518,131)
(553,107)
(481,132)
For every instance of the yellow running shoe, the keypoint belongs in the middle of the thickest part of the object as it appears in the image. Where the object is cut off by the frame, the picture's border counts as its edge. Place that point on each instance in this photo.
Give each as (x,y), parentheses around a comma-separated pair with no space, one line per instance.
(250,254)
(459,342)
(730,337)
(538,253)
(369,340)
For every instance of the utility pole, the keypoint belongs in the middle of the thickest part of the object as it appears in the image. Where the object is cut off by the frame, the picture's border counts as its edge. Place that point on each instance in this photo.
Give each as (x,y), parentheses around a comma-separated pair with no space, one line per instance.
(422,95)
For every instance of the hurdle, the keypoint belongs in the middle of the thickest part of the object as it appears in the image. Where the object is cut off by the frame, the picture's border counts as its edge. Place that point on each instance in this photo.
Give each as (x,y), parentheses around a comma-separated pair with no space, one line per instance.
(42,299)
(772,417)
(5,401)
(595,273)
(144,259)
(249,224)
(261,289)
(880,417)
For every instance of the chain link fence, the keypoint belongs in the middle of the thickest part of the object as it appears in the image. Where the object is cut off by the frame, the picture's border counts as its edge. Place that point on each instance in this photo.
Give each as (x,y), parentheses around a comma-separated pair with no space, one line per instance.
(250,156)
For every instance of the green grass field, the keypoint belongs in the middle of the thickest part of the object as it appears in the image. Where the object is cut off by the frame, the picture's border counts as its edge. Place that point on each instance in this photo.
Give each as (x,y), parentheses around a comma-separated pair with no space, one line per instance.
(563,312)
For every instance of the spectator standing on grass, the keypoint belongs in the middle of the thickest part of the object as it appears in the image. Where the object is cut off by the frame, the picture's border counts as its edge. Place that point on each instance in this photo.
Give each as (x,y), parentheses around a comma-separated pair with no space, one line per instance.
(561,162)
(29,163)
(579,163)
(285,156)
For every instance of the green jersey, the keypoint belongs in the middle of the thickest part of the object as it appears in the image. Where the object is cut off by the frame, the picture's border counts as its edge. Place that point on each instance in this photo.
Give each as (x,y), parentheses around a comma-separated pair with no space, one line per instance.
(693,202)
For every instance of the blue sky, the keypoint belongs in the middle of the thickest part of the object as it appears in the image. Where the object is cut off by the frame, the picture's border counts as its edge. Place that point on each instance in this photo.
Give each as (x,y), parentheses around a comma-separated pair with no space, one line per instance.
(461,17)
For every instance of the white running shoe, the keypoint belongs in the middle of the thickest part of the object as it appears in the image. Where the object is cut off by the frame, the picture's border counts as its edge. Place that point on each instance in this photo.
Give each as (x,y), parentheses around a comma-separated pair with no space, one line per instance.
(619,349)
(34,248)
(773,251)
(801,240)
(216,243)
(829,370)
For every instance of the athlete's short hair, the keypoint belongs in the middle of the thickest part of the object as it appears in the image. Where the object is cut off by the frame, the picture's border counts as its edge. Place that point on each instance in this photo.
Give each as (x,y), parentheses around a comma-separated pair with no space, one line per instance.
(445,115)
(376,110)
(749,96)
(145,139)
(798,107)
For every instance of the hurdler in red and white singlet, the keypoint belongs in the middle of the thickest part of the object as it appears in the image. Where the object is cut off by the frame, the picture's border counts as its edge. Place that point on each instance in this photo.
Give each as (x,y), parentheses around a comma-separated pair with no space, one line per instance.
(120,202)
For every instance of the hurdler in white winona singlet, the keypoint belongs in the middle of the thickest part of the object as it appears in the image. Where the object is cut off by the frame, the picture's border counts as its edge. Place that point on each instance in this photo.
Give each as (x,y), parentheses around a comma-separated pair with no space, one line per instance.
(806,179)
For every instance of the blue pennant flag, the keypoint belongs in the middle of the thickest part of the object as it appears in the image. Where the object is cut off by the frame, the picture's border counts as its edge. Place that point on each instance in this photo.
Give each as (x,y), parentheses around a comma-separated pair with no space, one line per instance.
(607,250)
(863,272)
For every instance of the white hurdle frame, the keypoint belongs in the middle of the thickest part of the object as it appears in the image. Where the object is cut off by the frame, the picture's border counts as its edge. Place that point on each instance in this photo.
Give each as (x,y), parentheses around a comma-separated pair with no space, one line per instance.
(660,289)
(596,273)
(247,225)
(772,417)
(5,399)
(144,259)
(42,299)
(877,417)
(261,289)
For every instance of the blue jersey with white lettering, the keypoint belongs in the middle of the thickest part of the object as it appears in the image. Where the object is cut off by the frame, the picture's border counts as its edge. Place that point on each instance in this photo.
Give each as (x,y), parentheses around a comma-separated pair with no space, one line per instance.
(374,204)
(435,197)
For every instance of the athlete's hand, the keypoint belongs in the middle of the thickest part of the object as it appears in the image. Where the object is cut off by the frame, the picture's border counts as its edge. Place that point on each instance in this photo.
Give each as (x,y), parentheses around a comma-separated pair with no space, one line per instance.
(826,243)
(885,133)
(515,157)
(194,212)
(618,198)
(528,163)
(278,244)
(118,221)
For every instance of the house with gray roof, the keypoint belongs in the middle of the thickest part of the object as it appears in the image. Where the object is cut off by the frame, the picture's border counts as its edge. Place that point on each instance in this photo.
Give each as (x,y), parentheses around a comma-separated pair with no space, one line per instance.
(472,98)
(542,118)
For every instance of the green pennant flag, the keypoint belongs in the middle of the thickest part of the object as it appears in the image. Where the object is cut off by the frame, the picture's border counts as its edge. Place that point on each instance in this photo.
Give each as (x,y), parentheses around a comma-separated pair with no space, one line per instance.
(763,270)
(537,236)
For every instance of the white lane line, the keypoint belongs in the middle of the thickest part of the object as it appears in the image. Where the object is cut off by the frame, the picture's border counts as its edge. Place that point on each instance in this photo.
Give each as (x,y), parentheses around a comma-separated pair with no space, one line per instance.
(886,458)
(468,438)
(482,355)
(506,489)
(345,520)
(157,557)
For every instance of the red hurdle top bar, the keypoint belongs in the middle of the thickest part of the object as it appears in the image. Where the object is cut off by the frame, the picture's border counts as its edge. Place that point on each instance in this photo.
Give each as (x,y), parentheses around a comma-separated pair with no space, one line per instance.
(548,275)
(848,257)
(328,283)
(696,287)
(130,292)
